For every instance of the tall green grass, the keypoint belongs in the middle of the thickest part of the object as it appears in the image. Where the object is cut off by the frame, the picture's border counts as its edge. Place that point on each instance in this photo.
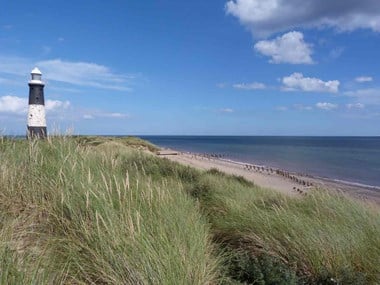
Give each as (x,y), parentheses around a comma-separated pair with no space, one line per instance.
(90,210)
(323,238)
(72,214)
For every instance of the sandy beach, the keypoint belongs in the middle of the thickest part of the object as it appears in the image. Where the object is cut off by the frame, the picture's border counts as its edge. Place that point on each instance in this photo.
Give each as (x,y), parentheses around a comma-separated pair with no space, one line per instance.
(266,177)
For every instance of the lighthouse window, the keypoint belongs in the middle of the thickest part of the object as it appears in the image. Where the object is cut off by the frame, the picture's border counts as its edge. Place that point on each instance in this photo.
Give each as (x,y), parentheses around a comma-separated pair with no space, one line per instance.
(36,77)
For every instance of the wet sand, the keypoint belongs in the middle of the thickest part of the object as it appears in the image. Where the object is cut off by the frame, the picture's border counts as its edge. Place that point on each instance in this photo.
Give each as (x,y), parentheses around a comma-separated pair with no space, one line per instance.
(267,177)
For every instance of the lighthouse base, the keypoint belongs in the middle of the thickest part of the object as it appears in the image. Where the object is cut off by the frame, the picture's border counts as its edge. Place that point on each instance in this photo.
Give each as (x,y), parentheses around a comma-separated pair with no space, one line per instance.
(36,132)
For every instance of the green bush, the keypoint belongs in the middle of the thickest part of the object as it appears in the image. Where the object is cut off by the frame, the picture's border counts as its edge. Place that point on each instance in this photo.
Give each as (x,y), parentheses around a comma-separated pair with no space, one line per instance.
(261,269)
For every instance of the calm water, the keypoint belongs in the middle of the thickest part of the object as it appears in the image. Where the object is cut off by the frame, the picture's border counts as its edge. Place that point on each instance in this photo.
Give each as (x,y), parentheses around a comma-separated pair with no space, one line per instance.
(351,159)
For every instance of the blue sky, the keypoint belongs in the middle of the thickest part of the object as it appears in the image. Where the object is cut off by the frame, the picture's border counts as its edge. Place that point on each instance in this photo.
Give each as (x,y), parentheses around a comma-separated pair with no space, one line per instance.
(216,67)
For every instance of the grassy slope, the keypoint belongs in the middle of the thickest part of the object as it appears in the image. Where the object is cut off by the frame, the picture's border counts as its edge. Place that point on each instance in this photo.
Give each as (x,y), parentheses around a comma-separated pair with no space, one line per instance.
(72,214)
(96,210)
(322,238)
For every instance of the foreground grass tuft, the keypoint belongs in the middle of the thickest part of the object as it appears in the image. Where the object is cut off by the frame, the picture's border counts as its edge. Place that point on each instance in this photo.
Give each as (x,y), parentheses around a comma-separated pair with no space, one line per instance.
(72,214)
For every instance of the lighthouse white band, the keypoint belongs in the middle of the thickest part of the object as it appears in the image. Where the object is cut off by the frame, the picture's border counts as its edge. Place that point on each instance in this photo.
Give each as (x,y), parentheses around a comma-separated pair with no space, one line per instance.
(36,116)
(38,82)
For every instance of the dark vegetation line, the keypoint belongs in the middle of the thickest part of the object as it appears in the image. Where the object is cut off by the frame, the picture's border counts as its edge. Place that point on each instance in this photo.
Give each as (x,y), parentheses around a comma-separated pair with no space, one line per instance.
(92,210)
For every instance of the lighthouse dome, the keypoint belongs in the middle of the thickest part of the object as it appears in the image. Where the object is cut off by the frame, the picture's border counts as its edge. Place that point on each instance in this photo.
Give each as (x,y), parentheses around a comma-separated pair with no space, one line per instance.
(36,76)
(36,71)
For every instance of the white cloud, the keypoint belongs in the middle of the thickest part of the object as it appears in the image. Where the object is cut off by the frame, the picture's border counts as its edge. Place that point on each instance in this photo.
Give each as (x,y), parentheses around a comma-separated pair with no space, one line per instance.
(83,73)
(288,48)
(52,105)
(355,106)
(297,81)
(15,107)
(326,106)
(13,104)
(226,110)
(19,105)
(265,17)
(362,79)
(250,86)
(76,73)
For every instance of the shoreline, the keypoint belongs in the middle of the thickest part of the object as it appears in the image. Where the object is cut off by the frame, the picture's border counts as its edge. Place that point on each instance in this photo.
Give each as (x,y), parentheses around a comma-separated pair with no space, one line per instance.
(287,182)
(331,180)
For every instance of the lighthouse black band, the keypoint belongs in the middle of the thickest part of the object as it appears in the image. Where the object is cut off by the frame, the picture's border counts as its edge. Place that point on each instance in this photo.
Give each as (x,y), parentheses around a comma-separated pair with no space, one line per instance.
(36,94)
(37,132)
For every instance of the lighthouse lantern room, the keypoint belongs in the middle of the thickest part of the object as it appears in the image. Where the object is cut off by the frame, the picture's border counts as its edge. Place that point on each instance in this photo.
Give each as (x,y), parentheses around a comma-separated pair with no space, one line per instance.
(36,114)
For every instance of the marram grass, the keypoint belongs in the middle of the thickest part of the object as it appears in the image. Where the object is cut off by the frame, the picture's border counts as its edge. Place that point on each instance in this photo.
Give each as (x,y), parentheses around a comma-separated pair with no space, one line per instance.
(323,238)
(93,210)
(73,215)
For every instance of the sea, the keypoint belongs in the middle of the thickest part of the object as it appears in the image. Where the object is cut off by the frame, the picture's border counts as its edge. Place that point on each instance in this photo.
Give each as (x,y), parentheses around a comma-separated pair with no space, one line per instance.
(352,160)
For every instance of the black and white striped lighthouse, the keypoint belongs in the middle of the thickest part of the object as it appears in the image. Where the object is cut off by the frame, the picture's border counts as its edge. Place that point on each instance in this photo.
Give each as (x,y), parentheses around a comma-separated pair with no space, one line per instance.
(36,114)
